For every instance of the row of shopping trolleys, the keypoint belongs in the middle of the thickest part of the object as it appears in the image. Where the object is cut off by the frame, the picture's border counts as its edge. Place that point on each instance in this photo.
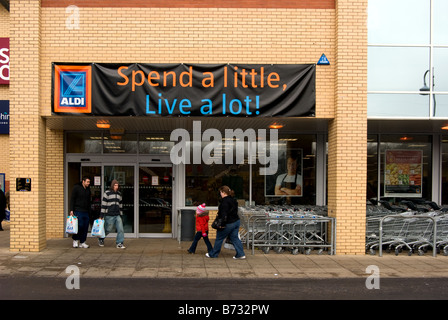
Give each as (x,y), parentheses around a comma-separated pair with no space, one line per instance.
(409,231)
(297,229)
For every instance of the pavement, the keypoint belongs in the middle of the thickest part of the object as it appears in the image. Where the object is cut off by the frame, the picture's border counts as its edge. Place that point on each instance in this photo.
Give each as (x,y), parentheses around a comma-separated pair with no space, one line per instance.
(168,259)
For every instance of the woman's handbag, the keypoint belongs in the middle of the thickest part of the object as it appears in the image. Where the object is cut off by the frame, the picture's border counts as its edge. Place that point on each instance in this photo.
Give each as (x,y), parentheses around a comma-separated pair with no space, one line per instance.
(218,223)
(98,229)
(72,225)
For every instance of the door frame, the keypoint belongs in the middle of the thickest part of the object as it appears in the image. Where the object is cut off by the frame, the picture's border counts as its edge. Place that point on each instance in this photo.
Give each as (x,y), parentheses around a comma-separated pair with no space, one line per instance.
(127,160)
(155,235)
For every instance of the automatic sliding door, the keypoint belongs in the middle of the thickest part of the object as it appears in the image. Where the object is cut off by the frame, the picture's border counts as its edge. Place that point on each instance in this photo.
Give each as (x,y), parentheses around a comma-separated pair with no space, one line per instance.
(94,173)
(125,177)
(155,199)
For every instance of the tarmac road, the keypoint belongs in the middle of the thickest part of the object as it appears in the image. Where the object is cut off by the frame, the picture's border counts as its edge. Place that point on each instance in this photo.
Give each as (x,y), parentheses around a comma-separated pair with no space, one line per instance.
(182,289)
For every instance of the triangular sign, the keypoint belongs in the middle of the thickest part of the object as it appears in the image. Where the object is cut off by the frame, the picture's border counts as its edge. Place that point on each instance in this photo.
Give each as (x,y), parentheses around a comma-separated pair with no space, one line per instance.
(323,60)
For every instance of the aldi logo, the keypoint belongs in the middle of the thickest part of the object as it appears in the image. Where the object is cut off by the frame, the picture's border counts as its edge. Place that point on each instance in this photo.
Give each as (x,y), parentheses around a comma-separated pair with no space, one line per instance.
(72,89)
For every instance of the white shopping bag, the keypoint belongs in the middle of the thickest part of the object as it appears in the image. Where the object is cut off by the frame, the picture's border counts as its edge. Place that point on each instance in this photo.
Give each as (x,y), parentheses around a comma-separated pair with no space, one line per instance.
(98,228)
(72,225)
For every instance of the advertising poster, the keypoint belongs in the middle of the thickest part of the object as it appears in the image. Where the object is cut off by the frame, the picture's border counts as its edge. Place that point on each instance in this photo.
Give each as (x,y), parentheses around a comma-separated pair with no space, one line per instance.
(288,181)
(403,173)
(160,90)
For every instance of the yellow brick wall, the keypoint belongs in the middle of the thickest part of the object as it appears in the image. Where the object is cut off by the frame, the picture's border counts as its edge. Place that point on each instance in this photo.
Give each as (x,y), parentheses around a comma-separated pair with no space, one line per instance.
(27,129)
(347,141)
(197,36)
(190,35)
(55,182)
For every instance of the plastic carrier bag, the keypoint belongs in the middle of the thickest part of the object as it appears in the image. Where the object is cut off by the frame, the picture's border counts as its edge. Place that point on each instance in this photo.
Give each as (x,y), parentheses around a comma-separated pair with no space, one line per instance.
(72,225)
(98,229)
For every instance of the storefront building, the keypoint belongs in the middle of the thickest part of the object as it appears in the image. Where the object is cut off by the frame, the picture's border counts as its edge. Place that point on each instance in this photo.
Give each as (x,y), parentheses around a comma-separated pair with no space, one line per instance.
(99,89)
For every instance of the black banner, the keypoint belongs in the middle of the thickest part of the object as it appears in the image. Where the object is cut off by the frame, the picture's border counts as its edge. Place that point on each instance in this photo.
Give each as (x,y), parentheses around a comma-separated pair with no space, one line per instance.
(105,89)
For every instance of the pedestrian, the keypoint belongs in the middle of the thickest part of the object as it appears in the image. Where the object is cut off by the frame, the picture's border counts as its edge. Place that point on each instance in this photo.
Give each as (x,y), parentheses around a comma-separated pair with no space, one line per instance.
(228,212)
(202,219)
(2,208)
(80,207)
(112,212)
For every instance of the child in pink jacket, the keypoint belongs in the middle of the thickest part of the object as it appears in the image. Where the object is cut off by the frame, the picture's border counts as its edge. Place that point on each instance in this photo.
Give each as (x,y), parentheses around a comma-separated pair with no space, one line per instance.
(201,229)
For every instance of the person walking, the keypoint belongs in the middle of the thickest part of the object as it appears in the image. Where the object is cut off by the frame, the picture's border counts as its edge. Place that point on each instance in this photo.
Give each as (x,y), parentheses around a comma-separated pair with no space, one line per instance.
(111,212)
(202,219)
(228,212)
(3,204)
(80,207)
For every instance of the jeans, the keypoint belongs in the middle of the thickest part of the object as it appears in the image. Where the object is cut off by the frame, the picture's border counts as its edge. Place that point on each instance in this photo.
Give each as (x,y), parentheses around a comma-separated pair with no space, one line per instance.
(117,222)
(231,231)
(197,237)
(83,226)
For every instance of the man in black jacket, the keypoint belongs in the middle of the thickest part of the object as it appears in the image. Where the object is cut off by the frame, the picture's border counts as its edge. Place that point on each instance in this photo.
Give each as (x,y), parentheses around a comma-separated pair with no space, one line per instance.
(80,207)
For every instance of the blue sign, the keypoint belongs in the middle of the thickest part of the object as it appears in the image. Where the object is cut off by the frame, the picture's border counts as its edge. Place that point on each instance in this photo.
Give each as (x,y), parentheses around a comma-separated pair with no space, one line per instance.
(323,60)
(4,116)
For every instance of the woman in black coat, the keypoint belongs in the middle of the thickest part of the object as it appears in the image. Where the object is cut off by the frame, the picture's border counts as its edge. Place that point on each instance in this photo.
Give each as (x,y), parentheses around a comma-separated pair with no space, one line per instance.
(228,212)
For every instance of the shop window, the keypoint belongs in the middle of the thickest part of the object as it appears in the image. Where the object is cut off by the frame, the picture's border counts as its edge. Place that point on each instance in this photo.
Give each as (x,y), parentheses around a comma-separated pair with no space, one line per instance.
(154,144)
(405,167)
(203,180)
(84,142)
(372,168)
(296,153)
(444,170)
(120,143)
(295,180)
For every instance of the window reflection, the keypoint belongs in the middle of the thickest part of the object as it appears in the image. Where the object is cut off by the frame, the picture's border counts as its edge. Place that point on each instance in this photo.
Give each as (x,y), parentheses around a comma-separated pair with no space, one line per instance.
(441,69)
(396,69)
(399,21)
(120,143)
(441,101)
(154,144)
(397,105)
(440,22)
(84,142)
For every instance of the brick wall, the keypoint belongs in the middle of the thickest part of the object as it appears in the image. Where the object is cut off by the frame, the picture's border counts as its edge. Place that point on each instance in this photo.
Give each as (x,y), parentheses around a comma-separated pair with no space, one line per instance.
(347,141)
(191,35)
(255,32)
(27,129)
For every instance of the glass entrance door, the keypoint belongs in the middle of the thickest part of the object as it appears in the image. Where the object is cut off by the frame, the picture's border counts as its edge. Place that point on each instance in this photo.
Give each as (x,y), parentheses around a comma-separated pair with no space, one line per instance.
(155,187)
(94,173)
(124,174)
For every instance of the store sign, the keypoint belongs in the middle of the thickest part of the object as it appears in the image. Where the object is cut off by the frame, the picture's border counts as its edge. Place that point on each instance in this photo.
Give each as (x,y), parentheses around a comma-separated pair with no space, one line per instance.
(104,89)
(4,60)
(4,116)
(72,89)
(403,173)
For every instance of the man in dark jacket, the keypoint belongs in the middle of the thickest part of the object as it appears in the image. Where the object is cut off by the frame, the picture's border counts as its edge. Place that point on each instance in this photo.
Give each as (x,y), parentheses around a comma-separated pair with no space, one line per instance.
(80,207)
